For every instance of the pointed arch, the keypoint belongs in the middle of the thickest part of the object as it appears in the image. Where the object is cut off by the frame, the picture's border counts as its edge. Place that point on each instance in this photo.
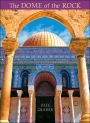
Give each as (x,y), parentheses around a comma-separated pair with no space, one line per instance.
(65,79)
(45,76)
(24,76)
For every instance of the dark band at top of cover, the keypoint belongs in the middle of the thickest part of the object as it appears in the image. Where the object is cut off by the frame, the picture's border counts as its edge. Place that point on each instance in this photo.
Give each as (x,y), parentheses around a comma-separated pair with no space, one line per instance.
(45,4)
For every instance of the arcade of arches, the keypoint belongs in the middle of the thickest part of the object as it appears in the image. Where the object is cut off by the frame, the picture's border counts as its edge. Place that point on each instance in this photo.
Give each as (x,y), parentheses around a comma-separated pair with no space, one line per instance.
(75,21)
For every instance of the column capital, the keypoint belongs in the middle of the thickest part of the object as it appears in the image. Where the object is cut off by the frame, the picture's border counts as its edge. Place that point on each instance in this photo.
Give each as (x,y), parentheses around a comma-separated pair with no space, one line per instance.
(59,92)
(19,92)
(70,92)
(30,93)
(30,88)
(79,45)
(59,88)
(10,45)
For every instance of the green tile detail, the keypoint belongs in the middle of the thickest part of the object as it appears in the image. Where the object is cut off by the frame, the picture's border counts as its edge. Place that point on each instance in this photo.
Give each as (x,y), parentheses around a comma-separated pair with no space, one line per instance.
(22,66)
(64,66)
(25,66)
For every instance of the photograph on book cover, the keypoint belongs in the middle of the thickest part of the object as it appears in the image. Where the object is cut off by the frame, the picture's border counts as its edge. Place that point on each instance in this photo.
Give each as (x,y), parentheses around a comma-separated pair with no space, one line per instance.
(44,61)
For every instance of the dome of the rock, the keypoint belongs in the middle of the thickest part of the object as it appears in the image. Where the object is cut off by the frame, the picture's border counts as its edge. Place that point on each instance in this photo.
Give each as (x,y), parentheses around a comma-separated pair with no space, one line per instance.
(45,39)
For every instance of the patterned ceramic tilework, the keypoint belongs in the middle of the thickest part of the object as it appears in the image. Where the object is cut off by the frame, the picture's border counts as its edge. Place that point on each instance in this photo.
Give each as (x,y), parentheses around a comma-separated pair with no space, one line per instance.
(44,66)
(45,54)
(1,76)
(76,78)
(30,79)
(16,79)
(59,79)
(39,70)
(62,58)
(73,78)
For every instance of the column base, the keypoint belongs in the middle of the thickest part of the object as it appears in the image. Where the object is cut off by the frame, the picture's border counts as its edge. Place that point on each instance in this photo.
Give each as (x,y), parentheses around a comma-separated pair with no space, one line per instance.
(85,118)
(4,121)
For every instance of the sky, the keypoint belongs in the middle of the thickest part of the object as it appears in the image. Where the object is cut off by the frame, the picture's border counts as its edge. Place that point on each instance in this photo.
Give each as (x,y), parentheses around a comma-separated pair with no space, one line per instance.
(38,25)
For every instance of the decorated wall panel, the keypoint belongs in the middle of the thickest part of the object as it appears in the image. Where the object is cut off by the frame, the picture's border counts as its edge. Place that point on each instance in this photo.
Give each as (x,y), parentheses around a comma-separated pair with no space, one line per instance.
(25,110)
(67,112)
(24,115)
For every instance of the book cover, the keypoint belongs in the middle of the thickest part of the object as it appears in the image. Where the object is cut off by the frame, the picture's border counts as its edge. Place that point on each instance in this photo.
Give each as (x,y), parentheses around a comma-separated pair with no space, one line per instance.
(44,61)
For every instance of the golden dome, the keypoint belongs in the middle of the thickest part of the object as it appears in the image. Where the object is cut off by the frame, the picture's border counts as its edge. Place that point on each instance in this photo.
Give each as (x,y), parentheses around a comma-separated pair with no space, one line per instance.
(44,39)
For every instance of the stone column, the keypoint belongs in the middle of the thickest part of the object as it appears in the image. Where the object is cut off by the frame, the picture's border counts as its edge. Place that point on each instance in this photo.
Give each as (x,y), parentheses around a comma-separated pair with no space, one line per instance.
(79,46)
(19,92)
(9,45)
(59,92)
(30,91)
(70,92)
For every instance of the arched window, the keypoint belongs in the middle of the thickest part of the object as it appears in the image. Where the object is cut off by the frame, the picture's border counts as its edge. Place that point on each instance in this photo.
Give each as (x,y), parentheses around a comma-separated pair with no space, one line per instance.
(25,78)
(65,79)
